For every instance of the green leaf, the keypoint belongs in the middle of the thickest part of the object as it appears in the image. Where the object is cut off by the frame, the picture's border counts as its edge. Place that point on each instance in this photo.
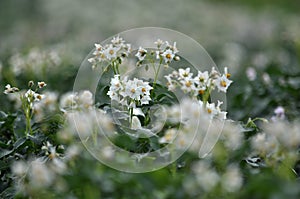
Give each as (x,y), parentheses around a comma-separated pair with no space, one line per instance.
(5,152)
(19,142)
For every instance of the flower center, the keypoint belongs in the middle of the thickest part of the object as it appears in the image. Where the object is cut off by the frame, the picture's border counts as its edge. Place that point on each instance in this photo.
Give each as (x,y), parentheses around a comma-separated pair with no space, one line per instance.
(39,97)
(143,90)
(168,56)
(209,110)
(228,75)
(132,90)
(223,83)
(188,84)
(201,92)
(111,52)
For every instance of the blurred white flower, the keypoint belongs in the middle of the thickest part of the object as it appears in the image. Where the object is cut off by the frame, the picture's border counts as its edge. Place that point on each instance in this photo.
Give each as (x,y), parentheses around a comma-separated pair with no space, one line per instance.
(287,134)
(279,114)
(85,99)
(19,168)
(251,73)
(42,84)
(232,135)
(205,175)
(159,43)
(9,89)
(266,79)
(232,180)
(40,175)
(169,136)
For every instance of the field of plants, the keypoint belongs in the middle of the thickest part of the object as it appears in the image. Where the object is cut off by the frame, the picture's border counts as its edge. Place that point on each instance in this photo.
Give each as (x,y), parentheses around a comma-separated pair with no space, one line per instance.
(86,112)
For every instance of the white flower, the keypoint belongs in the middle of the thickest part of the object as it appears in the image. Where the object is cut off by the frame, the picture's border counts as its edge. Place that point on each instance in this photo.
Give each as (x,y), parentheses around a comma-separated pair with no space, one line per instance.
(184,73)
(85,99)
(205,175)
(168,55)
(9,89)
(267,79)
(226,73)
(169,136)
(159,43)
(202,78)
(131,90)
(251,73)
(187,85)
(157,54)
(171,86)
(68,100)
(32,96)
(113,95)
(19,168)
(144,88)
(41,84)
(40,175)
(222,83)
(145,99)
(232,180)
(233,138)
(173,48)
(111,52)
(279,114)
(141,54)
(211,109)
(118,41)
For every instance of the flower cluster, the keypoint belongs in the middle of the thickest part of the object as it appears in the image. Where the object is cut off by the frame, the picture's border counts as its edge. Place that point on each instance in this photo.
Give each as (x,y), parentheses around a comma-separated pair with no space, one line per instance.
(117,49)
(35,61)
(73,100)
(28,99)
(129,92)
(30,95)
(164,51)
(200,84)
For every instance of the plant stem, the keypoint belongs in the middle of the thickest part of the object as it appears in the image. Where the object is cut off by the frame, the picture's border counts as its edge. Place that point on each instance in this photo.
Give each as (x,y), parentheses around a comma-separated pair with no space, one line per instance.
(131,114)
(156,72)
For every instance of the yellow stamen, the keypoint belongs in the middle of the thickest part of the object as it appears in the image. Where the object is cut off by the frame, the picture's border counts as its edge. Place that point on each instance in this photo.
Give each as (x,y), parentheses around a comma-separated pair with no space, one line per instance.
(132,90)
(228,75)
(182,142)
(223,83)
(143,90)
(168,56)
(51,156)
(111,52)
(188,84)
(201,92)
(209,111)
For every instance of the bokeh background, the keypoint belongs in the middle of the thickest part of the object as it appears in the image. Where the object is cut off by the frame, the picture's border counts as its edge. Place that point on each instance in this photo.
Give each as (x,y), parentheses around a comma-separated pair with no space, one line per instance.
(262,35)
(258,40)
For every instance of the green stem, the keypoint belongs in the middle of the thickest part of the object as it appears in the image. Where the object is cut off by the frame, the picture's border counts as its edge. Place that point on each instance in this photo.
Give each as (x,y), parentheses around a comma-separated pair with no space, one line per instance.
(156,72)
(206,96)
(131,115)
(113,67)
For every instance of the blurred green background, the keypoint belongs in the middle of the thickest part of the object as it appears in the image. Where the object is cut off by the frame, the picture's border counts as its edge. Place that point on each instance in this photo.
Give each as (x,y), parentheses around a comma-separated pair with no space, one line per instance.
(258,40)
(263,35)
